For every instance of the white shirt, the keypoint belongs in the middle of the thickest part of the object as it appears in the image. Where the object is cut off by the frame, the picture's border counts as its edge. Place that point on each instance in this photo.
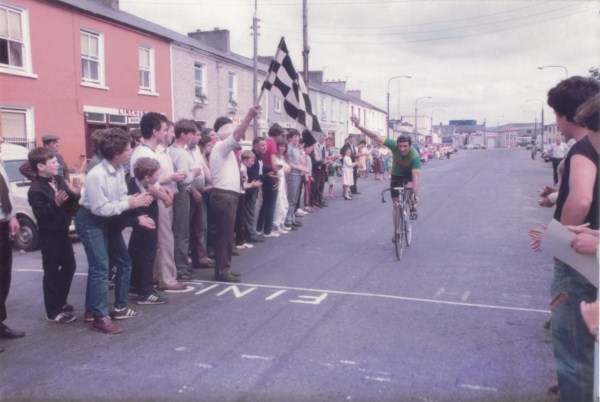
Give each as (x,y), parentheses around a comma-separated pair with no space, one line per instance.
(223,165)
(105,190)
(166,168)
(559,151)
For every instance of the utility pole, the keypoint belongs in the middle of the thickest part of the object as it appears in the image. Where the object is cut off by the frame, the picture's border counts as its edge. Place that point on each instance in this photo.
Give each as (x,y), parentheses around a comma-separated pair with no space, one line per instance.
(255,66)
(305,47)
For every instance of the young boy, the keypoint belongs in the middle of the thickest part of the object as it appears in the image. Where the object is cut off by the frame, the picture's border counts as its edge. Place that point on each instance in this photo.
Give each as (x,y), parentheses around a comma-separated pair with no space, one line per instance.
(54,203)
(99,225)
(144,237)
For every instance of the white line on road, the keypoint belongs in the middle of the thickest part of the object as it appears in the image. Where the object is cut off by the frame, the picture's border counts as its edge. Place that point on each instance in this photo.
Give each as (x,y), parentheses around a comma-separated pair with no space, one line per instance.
(379,379)
(256,357)
(478,387)
(374,295)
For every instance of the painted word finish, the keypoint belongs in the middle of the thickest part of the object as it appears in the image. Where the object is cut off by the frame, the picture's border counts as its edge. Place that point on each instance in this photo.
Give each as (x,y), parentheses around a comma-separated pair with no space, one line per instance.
(238,293)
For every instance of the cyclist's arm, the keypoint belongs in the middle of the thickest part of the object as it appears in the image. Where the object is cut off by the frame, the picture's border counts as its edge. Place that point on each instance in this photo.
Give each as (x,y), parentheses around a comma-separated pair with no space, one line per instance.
(371,134)
(415,182)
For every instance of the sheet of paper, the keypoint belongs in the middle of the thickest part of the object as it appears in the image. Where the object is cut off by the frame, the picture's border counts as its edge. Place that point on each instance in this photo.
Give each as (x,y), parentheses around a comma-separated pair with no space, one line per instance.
(557,241)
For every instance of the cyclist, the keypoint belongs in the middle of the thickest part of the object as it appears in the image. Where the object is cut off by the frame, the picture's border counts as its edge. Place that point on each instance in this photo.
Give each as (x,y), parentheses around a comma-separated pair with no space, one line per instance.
(406,166)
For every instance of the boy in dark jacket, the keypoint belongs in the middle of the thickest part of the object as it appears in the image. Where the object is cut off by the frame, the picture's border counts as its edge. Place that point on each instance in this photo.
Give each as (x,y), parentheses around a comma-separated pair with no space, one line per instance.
(144,237)
(54,202)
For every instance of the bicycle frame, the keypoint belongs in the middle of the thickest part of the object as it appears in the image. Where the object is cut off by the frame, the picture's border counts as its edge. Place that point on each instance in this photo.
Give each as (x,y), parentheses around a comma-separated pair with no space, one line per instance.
(402,224)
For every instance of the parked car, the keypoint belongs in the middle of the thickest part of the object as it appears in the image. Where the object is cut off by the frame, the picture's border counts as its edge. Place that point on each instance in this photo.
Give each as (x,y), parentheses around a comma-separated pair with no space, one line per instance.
(13,156)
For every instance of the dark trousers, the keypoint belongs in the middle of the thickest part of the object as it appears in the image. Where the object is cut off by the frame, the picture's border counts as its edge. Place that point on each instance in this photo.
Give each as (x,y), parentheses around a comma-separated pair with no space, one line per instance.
(58,261)
(320,177)
(267,209)
(555,163)
(354,188)
(250,212)
(142,251)
(5,267)
(223,206)
(198,233)
(240,221)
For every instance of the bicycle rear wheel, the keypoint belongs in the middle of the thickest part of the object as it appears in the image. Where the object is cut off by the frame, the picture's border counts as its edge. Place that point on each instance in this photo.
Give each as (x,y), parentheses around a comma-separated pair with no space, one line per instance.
(397,239)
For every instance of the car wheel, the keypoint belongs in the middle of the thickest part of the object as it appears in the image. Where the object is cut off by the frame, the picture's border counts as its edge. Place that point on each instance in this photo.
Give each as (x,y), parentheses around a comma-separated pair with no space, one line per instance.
(27,239)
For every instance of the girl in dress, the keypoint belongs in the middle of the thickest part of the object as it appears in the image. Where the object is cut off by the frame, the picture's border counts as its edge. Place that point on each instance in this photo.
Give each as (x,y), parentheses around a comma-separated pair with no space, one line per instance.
(282,205)
(348,173)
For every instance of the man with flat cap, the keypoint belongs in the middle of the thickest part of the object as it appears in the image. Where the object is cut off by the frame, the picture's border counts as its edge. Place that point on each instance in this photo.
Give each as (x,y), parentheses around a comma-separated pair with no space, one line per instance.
(52,142)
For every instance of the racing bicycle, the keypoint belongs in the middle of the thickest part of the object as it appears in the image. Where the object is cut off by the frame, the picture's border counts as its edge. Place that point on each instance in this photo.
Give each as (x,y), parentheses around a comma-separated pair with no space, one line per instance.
(402,220)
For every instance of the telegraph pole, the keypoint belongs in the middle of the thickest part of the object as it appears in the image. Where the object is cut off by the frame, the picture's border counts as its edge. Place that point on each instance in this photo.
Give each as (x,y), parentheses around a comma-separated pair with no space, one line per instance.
(255,66)
(305,47)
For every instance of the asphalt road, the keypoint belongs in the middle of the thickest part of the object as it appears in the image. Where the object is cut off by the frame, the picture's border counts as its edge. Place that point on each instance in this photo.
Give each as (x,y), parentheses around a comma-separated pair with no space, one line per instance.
(327,313)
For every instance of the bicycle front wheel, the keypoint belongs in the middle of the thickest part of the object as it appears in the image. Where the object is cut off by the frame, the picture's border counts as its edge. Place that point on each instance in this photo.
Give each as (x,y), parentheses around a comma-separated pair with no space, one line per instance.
(397,239)
(406,224)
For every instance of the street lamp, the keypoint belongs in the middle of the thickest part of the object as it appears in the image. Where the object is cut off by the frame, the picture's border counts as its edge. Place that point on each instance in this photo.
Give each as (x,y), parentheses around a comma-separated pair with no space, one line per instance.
(415,126)
(563,67)
(431,118)
(542,122)
(387,130)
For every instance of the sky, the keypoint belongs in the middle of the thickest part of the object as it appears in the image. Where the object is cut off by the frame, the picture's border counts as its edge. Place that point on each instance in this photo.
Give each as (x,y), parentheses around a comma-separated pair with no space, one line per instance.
(476,59)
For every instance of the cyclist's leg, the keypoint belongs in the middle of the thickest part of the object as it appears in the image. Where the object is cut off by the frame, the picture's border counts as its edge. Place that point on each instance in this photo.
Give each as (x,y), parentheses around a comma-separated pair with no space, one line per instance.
(412,202)
(395,194)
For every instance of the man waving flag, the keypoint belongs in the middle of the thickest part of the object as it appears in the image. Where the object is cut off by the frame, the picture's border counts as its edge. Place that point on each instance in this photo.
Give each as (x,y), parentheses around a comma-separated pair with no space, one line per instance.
(284,81)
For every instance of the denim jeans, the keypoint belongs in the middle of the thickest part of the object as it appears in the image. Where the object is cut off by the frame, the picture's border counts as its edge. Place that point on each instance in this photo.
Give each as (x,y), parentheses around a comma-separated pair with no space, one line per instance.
(103,242)
(573,344)
(293,187)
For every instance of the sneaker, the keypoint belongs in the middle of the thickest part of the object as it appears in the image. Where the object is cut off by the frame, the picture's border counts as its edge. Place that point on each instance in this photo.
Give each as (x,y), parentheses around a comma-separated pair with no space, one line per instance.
(123,314)
(296,224)
(68,308)
(88,317)
(282,230)
(152,298)
(240,246)
(178,287)
(104,324)
(248,245)
(413,214)
(184,275)
(290,227)
(272,234)
(62,318)
(256,239)
(300,212)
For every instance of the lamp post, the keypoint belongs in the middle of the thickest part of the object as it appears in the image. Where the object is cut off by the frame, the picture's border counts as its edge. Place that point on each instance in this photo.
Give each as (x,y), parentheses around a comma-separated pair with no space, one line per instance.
(415,126)
(563,67)
(387,130)
(431,119)
(542,121)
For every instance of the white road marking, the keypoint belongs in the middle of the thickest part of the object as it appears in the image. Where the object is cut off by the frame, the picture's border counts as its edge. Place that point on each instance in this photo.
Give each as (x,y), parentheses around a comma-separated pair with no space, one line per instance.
(379,379)
(186,290)
(181,349)
(478,387)
(364,294)
(203,365)
(348,362)
(256,357)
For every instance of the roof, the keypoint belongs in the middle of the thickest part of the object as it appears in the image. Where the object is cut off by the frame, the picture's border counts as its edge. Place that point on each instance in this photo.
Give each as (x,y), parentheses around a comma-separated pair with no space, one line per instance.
(100,10)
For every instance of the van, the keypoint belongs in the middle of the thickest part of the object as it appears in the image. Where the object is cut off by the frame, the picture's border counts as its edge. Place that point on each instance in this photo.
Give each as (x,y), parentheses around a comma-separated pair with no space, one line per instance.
(13,156)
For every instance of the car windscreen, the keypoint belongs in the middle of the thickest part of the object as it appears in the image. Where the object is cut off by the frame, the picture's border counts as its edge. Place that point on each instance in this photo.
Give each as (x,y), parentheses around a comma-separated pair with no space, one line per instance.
(12,170)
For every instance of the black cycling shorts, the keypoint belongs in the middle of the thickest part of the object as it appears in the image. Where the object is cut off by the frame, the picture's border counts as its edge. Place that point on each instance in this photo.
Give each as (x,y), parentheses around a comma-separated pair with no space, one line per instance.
(399,181)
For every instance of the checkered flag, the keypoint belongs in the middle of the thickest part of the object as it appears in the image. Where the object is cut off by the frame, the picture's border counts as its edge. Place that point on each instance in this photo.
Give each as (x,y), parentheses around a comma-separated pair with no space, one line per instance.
(284,81)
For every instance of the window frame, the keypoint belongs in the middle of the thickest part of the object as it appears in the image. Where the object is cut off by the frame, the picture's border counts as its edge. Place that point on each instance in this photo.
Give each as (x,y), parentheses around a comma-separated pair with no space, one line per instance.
(26,70)
(150,69)
(232,92)
(29,138)
(100,82)
(202,83)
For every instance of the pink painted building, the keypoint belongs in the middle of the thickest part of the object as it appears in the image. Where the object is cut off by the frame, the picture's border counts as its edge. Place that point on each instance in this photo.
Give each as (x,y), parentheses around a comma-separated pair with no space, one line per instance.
(70,67)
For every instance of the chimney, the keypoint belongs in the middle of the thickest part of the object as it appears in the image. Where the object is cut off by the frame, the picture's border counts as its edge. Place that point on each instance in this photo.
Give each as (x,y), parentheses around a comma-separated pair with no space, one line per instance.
(217,38)
(354,92)
(337,85)
(114,4)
